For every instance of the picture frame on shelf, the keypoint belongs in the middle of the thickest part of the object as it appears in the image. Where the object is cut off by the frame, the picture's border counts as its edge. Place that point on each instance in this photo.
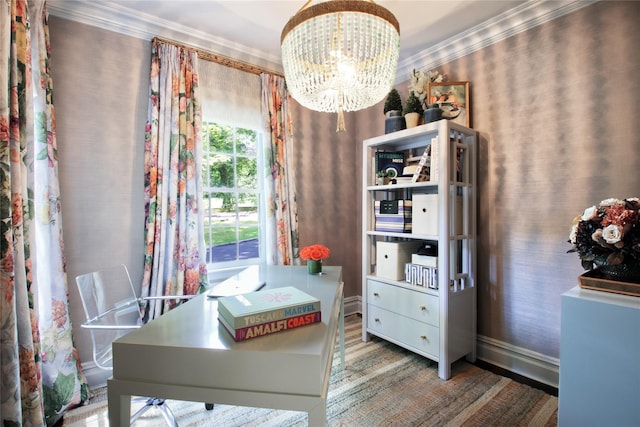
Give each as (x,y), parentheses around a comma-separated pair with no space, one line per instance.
(453,99)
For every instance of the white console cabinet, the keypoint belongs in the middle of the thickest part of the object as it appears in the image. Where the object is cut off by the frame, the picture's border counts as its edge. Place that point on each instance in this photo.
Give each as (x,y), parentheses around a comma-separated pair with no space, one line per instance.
(439,322)
(599,359)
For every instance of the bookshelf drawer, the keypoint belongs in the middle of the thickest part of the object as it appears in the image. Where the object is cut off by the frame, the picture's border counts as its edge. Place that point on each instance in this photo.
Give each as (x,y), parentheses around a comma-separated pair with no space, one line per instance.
(403,330)
(416,305)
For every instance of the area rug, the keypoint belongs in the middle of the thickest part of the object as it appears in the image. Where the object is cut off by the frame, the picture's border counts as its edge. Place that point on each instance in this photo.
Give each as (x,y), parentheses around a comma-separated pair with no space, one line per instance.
(381,385)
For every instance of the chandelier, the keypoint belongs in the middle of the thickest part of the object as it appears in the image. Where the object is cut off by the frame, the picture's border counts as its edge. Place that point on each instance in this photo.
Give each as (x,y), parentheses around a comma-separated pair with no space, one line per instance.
(340,55)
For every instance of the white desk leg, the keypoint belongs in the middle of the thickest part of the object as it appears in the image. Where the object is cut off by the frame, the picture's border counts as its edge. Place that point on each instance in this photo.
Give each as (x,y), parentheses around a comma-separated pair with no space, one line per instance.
(119,407)
(341,326)
(318,414)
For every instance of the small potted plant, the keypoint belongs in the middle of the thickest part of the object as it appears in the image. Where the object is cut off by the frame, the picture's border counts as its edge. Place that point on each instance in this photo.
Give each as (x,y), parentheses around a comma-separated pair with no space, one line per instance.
(392,103)
(314,255)
(381,177)
(412,110)
(393,111)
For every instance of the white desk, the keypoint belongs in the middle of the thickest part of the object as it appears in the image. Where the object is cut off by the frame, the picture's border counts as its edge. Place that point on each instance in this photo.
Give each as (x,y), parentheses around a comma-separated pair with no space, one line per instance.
(186,355)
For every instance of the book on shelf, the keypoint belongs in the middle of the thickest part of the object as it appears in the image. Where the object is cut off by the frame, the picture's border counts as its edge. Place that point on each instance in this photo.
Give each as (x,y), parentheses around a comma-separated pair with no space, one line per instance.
(404,180)
(267,305)
(392,162)
(421,168)
(435,157)
(272,327)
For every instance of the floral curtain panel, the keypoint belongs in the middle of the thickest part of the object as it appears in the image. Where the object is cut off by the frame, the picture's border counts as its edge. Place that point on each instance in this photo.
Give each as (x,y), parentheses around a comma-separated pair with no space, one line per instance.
(280,189)
(40,372)
(174,262)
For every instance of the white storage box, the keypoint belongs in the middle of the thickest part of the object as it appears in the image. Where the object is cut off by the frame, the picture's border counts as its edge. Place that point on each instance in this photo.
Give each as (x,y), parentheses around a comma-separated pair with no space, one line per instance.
(425,214)
(426,260)
(391,258)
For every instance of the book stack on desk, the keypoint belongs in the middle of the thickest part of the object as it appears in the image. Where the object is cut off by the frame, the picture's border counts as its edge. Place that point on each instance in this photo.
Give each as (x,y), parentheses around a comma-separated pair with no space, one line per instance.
(265,312)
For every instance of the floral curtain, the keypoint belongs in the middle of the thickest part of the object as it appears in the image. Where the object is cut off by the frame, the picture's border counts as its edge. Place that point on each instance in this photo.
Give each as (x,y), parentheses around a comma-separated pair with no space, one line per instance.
(40,370)
(174,261)
(280,189)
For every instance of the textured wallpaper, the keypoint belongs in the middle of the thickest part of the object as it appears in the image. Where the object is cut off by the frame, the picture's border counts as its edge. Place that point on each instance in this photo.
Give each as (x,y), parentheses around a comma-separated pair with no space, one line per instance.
(101,82)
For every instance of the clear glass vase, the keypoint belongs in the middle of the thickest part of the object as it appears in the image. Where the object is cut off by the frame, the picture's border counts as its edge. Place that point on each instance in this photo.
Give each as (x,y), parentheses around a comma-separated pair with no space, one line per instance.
(314,267)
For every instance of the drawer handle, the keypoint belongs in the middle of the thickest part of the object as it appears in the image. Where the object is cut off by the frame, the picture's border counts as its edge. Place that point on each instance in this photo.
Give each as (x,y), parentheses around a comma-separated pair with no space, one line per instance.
(375,294)
(424,338)
(377,320)
(423,308)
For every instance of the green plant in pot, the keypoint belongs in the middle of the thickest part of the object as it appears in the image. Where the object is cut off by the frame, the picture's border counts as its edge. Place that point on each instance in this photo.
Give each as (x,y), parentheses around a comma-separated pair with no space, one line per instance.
(381,177)
(393,111)
(412,110)
(393,103)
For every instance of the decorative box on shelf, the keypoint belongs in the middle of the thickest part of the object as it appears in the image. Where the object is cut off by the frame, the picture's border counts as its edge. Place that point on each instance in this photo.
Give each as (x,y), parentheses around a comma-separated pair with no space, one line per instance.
(426,260)
(391,258)
(425,214)
(594,280)
(421,275)
(393,215)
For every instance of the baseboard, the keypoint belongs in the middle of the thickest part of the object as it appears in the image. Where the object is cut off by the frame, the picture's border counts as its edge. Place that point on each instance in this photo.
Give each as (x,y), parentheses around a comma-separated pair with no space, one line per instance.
(530,364)
(517,360)
(352,305)
(536,366)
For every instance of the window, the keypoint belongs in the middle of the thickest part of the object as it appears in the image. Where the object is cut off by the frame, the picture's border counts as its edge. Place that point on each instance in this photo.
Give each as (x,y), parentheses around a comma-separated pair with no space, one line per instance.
(232,196)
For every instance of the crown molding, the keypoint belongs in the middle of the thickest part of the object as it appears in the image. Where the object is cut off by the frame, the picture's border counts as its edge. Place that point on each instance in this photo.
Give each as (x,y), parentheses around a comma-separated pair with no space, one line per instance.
(521,18)
(113,17)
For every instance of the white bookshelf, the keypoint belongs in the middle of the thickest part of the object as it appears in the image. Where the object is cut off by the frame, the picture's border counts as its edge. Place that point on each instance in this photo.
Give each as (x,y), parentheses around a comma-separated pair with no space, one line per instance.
(439,324)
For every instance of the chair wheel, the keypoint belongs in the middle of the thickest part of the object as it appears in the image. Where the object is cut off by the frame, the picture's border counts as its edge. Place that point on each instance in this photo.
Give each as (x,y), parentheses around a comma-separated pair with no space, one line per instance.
(208,406)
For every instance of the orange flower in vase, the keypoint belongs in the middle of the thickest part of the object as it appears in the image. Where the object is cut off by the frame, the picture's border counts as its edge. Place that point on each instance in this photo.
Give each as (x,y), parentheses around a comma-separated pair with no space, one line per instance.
(314,255)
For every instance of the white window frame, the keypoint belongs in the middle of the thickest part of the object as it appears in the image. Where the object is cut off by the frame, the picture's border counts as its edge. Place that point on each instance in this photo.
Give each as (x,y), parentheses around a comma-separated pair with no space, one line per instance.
(219,271)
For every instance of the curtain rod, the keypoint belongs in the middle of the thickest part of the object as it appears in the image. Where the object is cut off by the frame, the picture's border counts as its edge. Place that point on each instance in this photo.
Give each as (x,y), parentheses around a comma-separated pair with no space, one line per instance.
(222,60)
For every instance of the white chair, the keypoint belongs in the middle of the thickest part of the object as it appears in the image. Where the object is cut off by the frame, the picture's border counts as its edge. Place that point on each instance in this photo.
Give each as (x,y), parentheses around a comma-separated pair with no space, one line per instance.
(112,309)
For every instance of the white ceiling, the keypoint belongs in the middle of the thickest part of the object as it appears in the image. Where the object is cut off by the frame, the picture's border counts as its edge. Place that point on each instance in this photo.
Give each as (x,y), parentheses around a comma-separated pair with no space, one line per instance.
(431,31)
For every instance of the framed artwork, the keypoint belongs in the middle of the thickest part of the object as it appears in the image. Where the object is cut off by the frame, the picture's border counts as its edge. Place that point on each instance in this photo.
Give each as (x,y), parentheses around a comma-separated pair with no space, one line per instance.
(453,99)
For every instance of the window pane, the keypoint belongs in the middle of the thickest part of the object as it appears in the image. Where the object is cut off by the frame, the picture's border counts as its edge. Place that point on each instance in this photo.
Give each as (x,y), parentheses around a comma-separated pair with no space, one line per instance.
(219,138)
(247,171)
(246,142)
(248,216)
(221,171)
(224,208)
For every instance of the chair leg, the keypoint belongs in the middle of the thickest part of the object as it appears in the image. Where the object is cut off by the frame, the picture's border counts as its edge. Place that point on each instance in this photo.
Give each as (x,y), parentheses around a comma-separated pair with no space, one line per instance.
(167,413)
(139,412)
(152,402)
(208,406)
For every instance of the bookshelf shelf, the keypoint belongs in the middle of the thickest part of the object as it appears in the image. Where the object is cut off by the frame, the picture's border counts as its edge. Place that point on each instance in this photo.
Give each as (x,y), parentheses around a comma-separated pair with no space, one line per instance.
(438,323)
